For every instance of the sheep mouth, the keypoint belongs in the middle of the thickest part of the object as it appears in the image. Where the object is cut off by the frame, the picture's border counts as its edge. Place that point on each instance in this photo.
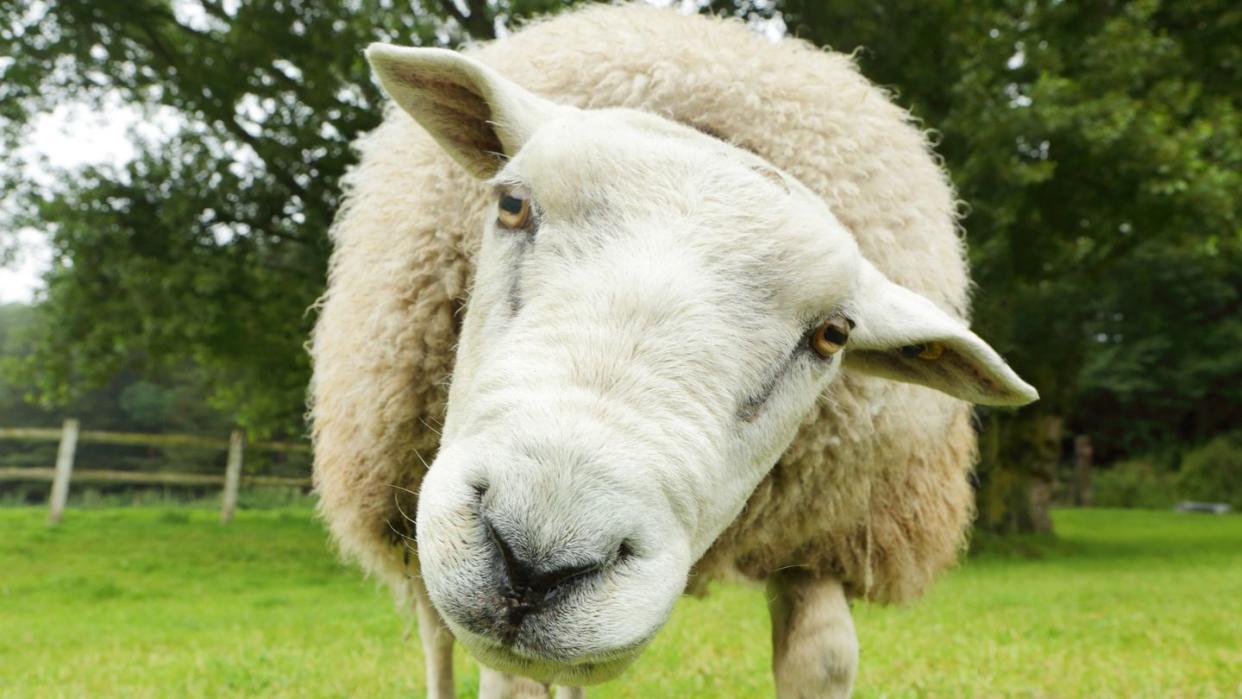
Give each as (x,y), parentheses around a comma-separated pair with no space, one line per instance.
(521,659)
(527,647)
(545,645)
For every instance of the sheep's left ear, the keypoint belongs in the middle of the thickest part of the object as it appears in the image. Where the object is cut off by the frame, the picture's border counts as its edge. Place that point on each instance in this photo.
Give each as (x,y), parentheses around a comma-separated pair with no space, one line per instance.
(477,116)
(901,335)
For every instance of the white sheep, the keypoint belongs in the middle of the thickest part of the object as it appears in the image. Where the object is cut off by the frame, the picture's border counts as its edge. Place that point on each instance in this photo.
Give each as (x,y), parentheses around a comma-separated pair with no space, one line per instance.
(685,282)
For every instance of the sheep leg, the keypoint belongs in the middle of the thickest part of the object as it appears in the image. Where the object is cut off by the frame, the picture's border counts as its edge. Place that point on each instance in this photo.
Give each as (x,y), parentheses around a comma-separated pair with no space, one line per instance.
(570,692)
(494,684)
(814,649)
(437,643)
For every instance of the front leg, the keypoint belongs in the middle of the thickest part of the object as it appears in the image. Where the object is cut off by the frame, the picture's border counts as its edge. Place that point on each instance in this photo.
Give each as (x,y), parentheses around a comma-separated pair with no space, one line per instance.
(814,649)
(494,684)
(437,646)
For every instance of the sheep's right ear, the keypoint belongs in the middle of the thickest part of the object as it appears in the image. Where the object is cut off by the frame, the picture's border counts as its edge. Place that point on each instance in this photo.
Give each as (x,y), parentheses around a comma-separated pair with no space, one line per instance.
(478,117)
(903,336)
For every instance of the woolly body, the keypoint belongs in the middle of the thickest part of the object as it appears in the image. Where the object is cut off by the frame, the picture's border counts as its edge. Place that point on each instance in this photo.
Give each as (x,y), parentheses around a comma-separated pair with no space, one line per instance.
(873,491)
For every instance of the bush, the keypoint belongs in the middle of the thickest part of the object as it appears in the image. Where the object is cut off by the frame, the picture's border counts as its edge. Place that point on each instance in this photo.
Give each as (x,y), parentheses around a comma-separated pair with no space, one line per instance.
(1136,483)
(1213,472)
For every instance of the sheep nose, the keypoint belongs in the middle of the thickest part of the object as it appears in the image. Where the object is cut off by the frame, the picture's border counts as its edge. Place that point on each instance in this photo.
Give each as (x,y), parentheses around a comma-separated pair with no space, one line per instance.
(523,587)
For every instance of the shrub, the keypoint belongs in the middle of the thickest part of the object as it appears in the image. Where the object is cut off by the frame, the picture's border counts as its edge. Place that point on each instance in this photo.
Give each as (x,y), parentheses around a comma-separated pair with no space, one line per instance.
(1213,472)
(1137,483)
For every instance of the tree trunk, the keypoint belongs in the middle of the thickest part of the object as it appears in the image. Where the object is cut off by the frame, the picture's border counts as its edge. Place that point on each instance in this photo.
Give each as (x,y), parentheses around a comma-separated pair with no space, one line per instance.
(1017,470)
(1083,458)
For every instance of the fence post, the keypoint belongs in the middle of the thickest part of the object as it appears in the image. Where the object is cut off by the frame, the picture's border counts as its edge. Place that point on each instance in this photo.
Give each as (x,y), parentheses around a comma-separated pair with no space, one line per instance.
(64,470)
(232,476)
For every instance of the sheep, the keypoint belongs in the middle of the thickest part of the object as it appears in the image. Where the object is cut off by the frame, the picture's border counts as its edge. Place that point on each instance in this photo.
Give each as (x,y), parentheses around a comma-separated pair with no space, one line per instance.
(629,301)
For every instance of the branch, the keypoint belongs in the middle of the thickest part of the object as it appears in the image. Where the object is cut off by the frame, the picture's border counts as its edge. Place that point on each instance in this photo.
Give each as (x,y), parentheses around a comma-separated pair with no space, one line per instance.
(226,116)
(216,10)
(477,24)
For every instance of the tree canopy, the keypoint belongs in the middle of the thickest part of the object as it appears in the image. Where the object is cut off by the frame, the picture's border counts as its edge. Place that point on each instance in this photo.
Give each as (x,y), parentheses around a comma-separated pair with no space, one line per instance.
(1096,148)
(211,245)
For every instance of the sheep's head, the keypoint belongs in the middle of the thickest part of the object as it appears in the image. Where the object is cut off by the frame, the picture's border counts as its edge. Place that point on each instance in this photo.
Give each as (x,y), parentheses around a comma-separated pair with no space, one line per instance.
(654,314)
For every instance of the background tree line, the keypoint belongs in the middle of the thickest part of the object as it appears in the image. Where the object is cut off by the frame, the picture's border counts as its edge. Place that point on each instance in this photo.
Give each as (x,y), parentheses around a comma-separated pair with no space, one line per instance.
(172,399)
(1095,146)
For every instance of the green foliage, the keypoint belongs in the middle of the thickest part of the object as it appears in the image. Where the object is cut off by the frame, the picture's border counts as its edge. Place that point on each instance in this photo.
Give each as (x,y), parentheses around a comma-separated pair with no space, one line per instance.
(211,245)
(145,403)
(1209,473)
(16,321)
(1134,484)
(1097,148)
(170,400)
(1124,604)
(1213,472)
(210,248)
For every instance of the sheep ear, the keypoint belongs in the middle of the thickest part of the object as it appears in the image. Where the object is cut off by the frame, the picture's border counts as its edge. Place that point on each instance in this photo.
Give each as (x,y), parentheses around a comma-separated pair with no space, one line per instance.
(902,335)
(478,117)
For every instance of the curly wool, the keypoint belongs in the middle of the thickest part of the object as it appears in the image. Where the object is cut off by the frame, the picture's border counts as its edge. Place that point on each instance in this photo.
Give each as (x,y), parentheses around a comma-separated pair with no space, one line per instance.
(874,489)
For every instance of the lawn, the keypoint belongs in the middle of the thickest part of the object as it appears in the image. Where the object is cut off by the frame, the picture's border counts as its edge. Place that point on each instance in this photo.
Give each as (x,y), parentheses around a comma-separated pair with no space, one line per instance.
(167,602)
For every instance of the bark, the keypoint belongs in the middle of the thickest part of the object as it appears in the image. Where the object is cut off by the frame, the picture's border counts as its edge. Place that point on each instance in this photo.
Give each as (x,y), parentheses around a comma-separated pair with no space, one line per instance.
(1017,472)
(1082,494)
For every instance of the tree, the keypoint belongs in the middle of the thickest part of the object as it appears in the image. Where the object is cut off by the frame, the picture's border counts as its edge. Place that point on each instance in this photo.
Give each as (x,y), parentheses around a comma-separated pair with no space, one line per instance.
(211,245)
(172,401)
(1093,143)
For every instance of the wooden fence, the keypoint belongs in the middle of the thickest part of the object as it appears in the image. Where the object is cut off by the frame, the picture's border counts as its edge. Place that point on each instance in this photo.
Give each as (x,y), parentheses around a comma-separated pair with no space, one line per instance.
(70,434)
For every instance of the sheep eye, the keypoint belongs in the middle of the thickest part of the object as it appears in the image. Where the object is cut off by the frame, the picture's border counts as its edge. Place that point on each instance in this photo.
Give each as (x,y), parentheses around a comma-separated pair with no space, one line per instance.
(513,210)
(831,336)
(930,351)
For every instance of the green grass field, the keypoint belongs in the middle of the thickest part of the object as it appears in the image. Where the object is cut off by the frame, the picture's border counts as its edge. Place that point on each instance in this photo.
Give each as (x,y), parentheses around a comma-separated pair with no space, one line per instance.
(167,602)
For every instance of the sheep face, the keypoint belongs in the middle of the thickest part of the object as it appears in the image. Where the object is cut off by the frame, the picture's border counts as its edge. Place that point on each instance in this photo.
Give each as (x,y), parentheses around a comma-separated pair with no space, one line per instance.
(654,313)
(634,358)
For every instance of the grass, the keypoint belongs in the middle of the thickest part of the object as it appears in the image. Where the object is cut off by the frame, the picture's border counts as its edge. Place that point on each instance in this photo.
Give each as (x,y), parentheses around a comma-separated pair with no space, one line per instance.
(154,602)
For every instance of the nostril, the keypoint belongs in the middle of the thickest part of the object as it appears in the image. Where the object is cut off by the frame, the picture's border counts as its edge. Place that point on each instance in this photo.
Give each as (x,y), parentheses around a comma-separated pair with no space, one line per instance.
(516,569)
(524,587)
(561,576)
(625,551)
(479,490)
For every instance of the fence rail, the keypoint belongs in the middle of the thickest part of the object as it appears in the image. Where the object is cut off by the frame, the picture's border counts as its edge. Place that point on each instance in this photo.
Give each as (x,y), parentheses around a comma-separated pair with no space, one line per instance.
(10,473)
(53,434)
(69,435)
